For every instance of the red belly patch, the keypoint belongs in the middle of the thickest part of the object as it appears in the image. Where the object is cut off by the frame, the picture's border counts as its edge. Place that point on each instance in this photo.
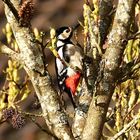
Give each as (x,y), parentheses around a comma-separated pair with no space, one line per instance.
(72,82)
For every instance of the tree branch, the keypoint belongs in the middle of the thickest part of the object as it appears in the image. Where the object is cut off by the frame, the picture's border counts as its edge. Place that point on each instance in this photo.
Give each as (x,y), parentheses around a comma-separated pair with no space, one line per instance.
(53,113)
(105,12)
(135,36)
(91,62)
(81,111)
(12,54)
(42,129)
(109,66)
(12,8)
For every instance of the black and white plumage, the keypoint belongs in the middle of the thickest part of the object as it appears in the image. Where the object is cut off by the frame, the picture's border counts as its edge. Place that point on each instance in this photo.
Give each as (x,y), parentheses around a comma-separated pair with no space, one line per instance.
(68,78)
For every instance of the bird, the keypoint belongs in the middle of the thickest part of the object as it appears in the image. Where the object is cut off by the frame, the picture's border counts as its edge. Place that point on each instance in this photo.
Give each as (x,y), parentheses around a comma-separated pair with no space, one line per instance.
(68,78)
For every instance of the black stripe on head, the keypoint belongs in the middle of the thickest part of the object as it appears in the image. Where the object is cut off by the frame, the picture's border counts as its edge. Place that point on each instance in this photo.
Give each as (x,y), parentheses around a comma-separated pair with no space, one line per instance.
(66,32)
(61,29)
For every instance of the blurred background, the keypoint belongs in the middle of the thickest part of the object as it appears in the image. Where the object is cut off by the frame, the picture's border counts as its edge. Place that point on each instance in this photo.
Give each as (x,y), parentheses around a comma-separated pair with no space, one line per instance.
(47,13)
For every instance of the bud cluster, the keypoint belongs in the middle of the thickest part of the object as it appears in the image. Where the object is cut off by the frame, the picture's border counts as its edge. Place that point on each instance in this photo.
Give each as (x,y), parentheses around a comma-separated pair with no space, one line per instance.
(18,121)
(14,117)
(8,112)
(25,13)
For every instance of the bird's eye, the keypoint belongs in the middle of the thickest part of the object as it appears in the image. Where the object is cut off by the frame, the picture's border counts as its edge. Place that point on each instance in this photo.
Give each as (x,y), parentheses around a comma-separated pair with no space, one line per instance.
(67,30)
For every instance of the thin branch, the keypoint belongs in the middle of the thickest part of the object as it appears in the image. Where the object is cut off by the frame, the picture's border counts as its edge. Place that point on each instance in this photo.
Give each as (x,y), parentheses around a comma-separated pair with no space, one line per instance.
(133,107)
(42,129)
(12,8)
(129,73)
(110,128)
(127,127)
(2,121)
(6,50)
(31,115)
(1,118)
(135,36)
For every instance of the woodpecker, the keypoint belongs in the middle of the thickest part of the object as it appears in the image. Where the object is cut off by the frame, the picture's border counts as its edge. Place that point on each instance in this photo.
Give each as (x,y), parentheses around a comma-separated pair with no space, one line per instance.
(68,78)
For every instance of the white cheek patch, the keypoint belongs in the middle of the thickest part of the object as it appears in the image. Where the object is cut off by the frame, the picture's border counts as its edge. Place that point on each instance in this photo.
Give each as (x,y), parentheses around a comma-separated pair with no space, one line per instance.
(60,43)
(64,35)
(61,37)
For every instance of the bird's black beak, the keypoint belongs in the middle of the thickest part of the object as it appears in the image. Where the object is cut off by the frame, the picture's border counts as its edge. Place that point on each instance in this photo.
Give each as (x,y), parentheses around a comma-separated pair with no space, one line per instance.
(75,26)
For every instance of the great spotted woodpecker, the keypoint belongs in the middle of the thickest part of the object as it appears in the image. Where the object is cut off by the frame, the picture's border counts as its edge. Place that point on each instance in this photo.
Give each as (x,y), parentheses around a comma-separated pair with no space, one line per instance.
(68,78)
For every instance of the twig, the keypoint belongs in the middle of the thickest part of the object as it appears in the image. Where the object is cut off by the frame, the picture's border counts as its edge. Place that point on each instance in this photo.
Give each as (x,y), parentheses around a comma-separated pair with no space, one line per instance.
(128,126)
(129,72)
(133,107)
(30,114)
(42,129)
(3,121)
(1,118)
(4,49)
(109,128)
(134,36)
(12,8)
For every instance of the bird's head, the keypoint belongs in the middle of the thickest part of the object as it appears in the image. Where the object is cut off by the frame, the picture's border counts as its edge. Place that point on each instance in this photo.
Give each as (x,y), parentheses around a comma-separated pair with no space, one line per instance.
(64,33)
